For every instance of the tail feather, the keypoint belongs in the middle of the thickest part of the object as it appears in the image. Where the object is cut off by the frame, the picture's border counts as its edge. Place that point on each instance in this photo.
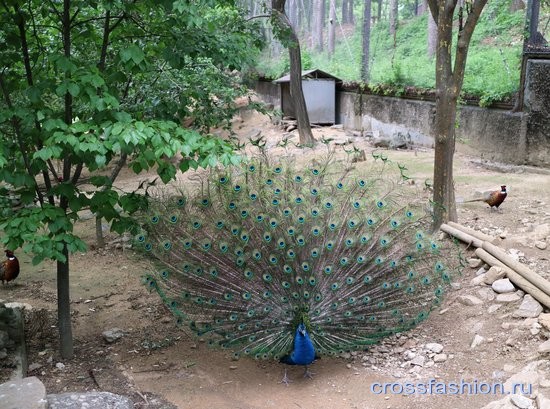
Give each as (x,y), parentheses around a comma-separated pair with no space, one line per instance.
(264,247)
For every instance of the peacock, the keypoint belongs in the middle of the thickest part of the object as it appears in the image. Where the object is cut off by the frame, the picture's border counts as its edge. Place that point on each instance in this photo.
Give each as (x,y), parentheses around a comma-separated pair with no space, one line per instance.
(279,260)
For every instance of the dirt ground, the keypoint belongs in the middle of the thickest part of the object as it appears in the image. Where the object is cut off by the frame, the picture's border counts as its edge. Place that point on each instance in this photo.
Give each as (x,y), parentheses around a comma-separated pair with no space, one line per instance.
(161,366)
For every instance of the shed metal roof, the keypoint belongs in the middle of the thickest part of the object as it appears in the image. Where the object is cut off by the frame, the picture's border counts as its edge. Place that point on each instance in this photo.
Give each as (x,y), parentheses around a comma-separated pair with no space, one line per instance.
(310,74)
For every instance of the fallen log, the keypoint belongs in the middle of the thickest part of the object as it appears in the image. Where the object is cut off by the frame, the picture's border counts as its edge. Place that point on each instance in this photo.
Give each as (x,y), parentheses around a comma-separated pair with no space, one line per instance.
(521,269)
(475,233)
(461,235)
(517,279)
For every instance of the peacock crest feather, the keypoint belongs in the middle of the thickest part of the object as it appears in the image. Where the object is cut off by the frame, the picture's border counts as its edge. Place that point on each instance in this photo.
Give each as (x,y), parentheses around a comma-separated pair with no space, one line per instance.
(261,248)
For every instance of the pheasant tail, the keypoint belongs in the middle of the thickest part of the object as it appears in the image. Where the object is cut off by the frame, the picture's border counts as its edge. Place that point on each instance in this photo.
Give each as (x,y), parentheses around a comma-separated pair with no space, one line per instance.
(262,248)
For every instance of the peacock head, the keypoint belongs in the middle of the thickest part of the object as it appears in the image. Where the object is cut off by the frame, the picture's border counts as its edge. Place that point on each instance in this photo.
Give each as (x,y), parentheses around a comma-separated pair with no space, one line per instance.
(302,329)
(503,188)
(9,253)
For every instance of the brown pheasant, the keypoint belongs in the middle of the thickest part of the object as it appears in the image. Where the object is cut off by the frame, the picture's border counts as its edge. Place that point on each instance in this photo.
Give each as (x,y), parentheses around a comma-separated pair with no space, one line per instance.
(493,199)
(9,268)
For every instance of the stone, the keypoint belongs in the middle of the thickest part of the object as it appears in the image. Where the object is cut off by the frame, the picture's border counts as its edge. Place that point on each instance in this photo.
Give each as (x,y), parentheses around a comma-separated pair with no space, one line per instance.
(541,245)
(475,262)
(469,300)
(494,273)
(544,348)
(89,400)
(542,401)
(26,393)
(440,358)
(521,401)
(508,298)
(503,285)
(434,347)
(418,360)
(478,280)
(529,308)
(478,340)
(544,320)
(487,294)
(481,271)
(493,308)
(503,403)
(112,335)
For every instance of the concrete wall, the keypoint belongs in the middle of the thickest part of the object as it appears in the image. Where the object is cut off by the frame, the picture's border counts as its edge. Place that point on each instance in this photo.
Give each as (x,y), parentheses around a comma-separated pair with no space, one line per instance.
(494,134)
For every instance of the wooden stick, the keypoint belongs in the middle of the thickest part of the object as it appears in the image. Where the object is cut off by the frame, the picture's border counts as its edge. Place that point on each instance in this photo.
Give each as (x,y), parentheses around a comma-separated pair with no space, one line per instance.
(477,234)
(521,269)
(461,235)
(515,278)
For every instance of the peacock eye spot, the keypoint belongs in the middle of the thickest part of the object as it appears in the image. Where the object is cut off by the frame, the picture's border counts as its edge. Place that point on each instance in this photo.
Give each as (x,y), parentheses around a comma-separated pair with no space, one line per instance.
(237,188)
(298,179)
(155,219)
(205,202)
(251,168)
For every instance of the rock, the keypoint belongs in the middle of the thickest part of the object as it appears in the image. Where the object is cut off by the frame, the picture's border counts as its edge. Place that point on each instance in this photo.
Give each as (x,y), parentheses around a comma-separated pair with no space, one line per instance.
(440,358)
(111,335)
(521,401)
(544,348)
(478,280)
(542,401)
(503,403)
(26,393)
(487,294)
(508,297)
(503,285)
(418,360)
(481,271)
(434,347)
(529,375)
(494,273)
(469,300)
(544,320)
(529,308)
(541,245)
(60,365)
(493,308)
(475,262)
(90,400)
(478,340)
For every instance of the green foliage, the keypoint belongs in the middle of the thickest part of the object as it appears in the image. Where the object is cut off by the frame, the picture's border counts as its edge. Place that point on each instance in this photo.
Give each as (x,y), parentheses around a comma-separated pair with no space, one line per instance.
(492,70)
(121,98)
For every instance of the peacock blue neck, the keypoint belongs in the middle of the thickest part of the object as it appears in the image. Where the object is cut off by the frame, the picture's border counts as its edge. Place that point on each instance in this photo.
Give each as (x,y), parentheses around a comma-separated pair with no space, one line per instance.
(304,352)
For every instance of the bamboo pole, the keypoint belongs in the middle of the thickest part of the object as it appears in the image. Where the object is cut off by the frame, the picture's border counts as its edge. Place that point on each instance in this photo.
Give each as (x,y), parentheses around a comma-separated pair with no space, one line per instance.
(475,233)
(521,269)
(461,235)
(515,278)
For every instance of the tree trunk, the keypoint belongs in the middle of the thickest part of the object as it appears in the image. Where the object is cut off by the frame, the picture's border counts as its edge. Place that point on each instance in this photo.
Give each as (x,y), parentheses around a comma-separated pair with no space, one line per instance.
(318,13)
(448,84)
(347,12)
(366,42)
(64,308)
(379,11)
(393,16)
(444,132)
(282,25)
(432,35)
(331,28)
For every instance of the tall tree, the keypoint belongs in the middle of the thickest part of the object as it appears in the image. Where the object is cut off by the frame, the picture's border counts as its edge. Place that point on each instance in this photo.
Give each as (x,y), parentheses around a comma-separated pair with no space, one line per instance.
(85,85)
(318,24)
(286,34)
(331,27)
(448,82)
(366,41)
(394,9)
(432,35)
(347,12)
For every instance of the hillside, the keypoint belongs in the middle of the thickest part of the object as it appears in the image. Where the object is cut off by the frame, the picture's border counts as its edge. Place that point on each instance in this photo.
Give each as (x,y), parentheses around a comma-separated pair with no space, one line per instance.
(493,65)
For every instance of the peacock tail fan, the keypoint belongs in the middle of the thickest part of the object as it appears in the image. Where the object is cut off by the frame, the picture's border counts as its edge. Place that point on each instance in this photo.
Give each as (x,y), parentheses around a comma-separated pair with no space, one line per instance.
(261,247)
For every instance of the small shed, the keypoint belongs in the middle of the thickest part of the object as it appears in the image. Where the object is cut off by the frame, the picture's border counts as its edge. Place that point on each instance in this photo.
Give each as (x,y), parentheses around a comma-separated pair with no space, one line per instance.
(319,92)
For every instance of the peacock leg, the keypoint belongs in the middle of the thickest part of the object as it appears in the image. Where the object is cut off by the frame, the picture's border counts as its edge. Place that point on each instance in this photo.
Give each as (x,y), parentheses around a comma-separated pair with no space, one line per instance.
(308,373)
(286,380)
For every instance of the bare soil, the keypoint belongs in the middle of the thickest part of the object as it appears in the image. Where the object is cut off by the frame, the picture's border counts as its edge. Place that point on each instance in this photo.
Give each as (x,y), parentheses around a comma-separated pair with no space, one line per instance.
(162,366)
